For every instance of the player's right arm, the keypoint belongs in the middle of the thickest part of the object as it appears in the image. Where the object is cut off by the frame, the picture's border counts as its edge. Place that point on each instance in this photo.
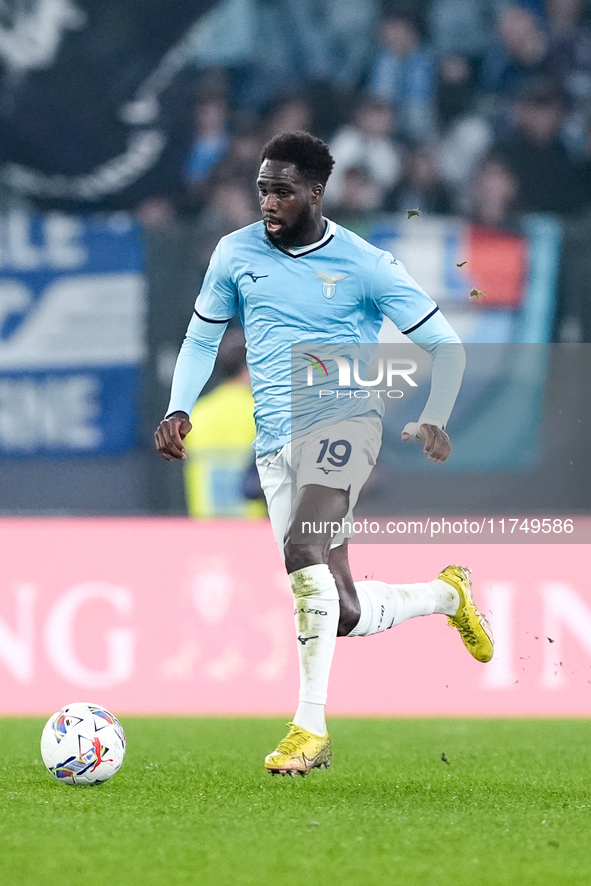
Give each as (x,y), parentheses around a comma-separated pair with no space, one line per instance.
(193,368)
(215,306)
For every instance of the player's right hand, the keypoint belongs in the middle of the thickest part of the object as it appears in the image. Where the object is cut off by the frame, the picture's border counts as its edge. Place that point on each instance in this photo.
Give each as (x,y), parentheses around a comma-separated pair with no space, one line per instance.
(170,434)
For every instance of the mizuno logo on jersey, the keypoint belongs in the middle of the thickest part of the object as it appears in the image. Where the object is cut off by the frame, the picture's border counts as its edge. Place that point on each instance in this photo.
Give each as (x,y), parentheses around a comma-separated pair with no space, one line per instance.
(329,286)
(254,277)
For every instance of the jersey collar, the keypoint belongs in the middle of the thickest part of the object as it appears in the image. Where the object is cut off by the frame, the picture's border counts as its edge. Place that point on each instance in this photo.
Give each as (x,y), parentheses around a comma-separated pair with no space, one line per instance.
(299,251)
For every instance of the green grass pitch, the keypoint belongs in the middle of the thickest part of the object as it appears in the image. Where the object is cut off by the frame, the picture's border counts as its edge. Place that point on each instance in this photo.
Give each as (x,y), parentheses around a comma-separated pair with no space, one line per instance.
(192,805)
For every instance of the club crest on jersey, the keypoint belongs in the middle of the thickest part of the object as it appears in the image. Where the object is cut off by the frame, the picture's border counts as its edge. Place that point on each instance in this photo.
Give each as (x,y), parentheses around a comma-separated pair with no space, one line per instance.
(329,285)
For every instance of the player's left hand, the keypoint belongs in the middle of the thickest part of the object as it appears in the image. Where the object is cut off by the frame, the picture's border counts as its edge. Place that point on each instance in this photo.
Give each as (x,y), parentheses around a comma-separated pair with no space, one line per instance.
(437,445)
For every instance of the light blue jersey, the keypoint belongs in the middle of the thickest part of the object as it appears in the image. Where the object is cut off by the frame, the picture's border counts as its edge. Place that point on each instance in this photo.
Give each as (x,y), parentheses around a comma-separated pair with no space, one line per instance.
(336,290)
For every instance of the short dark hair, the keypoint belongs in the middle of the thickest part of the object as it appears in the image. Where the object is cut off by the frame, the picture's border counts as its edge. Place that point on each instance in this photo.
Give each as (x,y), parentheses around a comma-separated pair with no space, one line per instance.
(310,155)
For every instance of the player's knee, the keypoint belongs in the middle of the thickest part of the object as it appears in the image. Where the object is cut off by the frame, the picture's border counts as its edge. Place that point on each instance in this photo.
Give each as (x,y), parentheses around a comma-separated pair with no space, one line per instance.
(350,612)
(301,555)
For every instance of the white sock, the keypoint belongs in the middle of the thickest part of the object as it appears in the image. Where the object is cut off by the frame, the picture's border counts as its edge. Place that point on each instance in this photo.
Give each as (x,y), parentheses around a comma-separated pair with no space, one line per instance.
(383,606)
(311,717)
(316,618)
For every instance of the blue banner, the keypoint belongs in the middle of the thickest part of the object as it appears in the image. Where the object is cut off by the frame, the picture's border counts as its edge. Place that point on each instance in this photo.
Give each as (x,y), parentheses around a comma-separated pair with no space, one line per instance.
(71,334)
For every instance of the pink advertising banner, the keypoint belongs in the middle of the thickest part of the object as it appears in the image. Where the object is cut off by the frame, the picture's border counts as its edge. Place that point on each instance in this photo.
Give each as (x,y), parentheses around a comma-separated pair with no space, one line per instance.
(175,616)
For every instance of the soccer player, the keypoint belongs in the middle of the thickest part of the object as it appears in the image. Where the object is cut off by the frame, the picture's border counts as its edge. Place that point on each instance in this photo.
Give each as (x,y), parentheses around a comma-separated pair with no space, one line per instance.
(295,277)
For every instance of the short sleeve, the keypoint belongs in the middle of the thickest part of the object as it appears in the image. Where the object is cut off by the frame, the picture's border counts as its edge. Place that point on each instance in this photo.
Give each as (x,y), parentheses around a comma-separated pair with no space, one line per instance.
(398,296)
(218,299)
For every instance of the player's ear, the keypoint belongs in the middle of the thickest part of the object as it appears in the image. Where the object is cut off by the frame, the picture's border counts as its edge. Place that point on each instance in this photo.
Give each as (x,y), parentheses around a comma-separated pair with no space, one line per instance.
(317,192)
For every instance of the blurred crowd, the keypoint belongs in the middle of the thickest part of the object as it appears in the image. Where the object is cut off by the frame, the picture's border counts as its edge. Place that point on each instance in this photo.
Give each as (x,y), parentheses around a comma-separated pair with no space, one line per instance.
(478,108)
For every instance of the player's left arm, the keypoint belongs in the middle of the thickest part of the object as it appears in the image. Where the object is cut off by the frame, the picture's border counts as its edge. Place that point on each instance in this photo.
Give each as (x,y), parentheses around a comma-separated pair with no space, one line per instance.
(448,359)
(400,298)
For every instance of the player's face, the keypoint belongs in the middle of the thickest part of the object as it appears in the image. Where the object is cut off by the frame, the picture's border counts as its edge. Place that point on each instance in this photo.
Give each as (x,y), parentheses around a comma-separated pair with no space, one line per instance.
(290,205)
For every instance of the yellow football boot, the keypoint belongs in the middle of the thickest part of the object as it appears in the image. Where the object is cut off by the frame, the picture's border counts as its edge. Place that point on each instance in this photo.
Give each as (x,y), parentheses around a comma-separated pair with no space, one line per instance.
(474,629)
(299,752)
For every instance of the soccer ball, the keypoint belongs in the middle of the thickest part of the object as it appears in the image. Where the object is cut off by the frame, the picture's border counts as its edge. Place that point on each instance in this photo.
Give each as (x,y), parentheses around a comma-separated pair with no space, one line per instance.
(83,744)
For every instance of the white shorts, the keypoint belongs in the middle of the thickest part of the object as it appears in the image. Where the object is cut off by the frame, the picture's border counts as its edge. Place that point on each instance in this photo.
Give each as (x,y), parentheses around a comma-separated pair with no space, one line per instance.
(340,456)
